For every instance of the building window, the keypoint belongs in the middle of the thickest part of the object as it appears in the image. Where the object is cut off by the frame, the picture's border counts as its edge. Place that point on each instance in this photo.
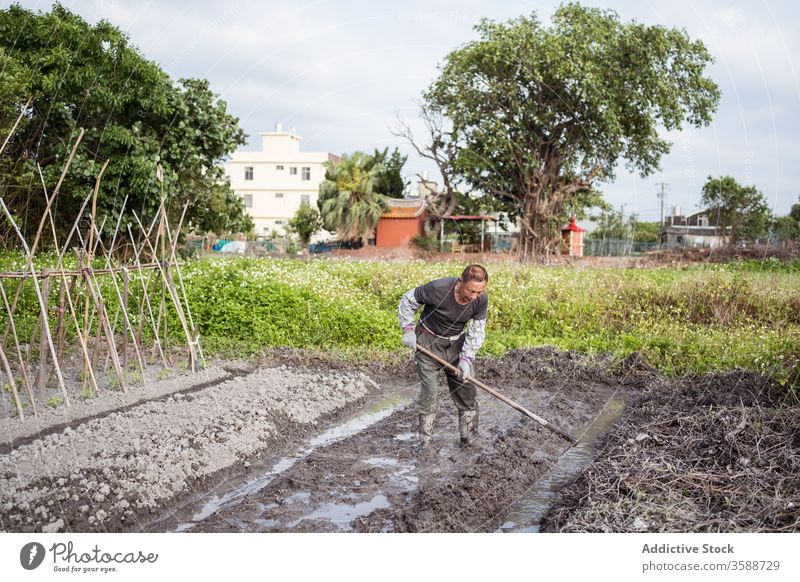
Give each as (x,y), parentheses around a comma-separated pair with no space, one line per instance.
(305,199)
(306,174)
(293,171)
(248,200)
(278,194)
(278,222)
(248,172)
(279,168)
(703,220)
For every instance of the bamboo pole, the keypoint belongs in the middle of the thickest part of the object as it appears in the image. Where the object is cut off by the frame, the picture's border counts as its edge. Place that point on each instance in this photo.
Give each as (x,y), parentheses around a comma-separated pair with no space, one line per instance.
(93,288)
(146,297)
(66,290)
(16,123)
(42,384)
(174,244)
(176,301)
(39,298)
(89,256)
(50,201)
(55,192)
(123,304)
(12,383)
(125,293)
(62,320)
(23,367)
(25,275)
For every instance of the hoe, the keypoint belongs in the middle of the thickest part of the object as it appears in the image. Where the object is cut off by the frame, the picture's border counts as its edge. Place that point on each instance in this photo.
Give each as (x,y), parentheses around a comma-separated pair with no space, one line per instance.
(559,431)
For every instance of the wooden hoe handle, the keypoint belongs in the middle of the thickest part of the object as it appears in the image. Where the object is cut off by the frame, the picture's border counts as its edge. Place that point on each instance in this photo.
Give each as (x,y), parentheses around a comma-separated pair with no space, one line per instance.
(559,431)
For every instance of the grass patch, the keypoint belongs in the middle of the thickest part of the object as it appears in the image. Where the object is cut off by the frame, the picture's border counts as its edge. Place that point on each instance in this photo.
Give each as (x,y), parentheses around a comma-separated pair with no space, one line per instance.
(719,317)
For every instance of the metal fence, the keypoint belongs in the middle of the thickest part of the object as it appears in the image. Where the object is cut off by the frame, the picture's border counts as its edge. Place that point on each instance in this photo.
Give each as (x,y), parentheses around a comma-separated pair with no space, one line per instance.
(616,248)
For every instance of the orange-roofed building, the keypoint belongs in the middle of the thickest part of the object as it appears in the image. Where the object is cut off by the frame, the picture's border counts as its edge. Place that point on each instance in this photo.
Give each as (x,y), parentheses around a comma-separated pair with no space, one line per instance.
(400,223)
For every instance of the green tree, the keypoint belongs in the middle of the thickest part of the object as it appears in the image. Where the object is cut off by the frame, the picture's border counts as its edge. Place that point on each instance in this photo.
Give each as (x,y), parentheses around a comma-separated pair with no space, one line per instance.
(305,223)
(91,77)
(741,212)
(349,201)
(786,229)
(794,213)
(539,115)
(391,181)
(646,232)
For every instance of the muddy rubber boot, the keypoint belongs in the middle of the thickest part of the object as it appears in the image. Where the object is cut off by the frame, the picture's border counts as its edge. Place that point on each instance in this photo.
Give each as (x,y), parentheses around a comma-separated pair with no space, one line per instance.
(425,429)
(468,428)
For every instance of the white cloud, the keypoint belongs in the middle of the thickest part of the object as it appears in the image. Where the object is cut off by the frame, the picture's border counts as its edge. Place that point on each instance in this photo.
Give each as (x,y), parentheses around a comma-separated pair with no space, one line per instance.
(340,71)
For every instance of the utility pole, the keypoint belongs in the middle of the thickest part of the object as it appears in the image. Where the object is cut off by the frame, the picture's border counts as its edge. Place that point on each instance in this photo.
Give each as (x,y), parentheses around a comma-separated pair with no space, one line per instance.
(622,229)
(662,195)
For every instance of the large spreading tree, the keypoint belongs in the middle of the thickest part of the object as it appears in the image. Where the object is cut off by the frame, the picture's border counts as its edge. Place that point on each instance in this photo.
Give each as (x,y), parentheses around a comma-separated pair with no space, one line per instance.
(538,116)
(77,75)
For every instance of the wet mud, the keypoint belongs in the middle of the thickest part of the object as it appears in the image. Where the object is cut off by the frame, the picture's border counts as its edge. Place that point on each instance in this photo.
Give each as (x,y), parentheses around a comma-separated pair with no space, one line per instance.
(302,442)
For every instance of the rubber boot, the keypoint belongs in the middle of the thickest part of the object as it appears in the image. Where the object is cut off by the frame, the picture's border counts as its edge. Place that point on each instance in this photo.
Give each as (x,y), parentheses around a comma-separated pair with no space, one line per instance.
(425,429)
(468,427)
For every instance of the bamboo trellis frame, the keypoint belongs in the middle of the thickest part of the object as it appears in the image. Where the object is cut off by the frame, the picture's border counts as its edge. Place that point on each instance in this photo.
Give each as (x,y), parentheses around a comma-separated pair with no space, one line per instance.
(79,296)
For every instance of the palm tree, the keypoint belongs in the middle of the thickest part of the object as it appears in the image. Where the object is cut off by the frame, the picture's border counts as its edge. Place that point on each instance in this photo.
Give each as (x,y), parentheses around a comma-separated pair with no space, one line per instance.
(348,200)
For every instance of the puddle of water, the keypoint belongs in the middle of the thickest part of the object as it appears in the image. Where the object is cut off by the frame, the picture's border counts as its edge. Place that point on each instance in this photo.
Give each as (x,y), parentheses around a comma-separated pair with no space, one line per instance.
(342,513)
(381,462)
(299,497)
(232,492)
(406,436)
(527,512)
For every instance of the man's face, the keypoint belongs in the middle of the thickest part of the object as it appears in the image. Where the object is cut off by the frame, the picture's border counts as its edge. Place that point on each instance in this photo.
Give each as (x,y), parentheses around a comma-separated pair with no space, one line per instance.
(471,290)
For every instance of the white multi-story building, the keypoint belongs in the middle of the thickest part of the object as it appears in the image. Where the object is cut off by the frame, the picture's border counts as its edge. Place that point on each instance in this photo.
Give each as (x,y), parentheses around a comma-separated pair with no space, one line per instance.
(277,180)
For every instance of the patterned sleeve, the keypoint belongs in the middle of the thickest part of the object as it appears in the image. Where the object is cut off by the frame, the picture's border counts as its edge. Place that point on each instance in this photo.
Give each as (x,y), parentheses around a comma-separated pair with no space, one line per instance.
(474,340)
(406,310)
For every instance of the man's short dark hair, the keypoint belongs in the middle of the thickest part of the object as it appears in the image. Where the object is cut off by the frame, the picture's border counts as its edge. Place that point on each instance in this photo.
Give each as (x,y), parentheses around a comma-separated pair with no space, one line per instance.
(474,273)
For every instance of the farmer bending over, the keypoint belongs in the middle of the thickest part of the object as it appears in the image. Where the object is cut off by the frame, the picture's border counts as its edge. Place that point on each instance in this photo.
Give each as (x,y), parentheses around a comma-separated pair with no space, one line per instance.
(449,304)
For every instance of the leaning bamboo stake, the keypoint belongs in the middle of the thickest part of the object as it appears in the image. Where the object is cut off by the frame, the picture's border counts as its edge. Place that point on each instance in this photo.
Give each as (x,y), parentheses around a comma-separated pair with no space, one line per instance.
(146,297)
(62,320)
(123,305)
(12,383)
(55,192)
(17,294)
(97,340)
(39,298)
(125,293)
(176,301)
(41,386)
(110,342)
(16,123)
(89,255)
(99,306)
(66,290)
(107,359)
(174,258)
(23,367)
(67,293)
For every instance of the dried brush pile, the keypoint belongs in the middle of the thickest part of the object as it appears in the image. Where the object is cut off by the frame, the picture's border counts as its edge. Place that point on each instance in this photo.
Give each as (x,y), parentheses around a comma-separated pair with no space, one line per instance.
(719,453)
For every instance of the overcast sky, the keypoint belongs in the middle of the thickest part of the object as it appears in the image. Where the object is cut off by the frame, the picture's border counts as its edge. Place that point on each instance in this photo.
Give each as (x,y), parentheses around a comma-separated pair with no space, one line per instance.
(341,72)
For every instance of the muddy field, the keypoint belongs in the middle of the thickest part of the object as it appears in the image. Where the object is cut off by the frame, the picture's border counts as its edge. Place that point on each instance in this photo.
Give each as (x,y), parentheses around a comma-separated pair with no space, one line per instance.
(300,442)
